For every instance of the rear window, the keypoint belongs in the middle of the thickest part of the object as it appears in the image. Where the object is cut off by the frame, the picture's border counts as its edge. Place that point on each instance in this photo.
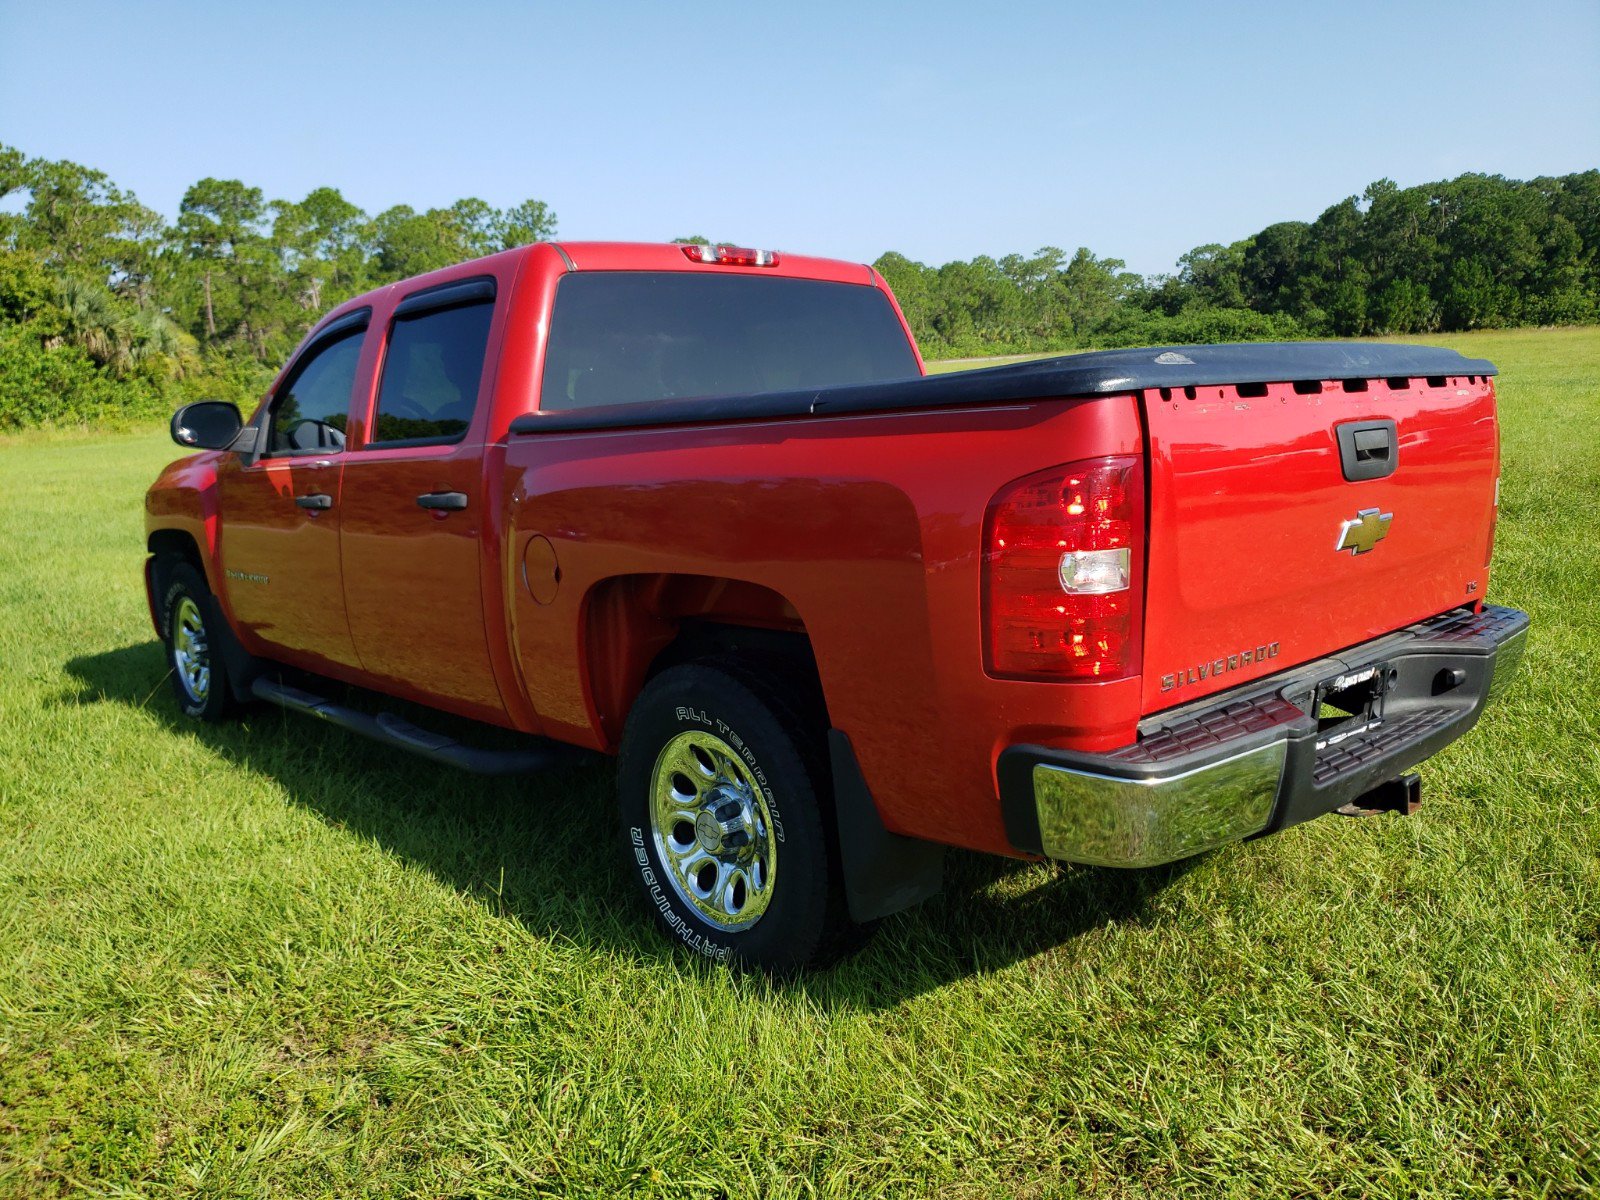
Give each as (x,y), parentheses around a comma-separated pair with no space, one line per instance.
(431,374)
(632,337)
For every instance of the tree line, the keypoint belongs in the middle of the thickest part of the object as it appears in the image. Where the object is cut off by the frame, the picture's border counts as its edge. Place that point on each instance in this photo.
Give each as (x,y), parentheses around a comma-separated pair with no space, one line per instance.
(109,311)
(1475,252)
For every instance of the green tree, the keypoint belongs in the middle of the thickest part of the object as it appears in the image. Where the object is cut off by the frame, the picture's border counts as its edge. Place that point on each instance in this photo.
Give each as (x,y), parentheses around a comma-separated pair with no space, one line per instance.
(477,226)
(322,248)
(1214,274)
(26,288)
(116,334)
(1272,266)
(77,223)
(912,287)
(1092,289)
(219,229)
(13,178)
(526,223)
(411,243)
(1406,306)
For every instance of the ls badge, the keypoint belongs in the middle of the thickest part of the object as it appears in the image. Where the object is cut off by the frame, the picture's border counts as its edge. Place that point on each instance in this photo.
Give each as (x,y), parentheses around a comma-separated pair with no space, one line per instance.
(1364,531)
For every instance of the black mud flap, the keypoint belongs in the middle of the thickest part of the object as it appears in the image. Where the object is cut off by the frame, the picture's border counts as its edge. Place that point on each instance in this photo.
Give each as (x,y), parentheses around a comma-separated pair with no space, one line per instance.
(883,872)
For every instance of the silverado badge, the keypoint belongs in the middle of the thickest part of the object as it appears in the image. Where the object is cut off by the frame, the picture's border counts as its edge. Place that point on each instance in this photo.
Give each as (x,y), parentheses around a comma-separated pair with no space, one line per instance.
(1363,531)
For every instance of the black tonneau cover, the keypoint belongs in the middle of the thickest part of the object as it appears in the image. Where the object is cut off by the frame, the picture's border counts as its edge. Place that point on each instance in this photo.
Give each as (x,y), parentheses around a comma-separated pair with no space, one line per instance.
(1097,373)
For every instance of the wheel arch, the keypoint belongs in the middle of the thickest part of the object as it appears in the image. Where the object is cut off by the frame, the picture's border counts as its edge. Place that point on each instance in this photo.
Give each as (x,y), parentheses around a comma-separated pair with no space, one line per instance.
(637,626)
(176,543)
(164,547)
(167,547)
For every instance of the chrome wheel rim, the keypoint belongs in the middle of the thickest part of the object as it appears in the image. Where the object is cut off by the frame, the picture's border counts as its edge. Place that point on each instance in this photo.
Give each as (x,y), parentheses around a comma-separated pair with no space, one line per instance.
(712,829)
(191,652)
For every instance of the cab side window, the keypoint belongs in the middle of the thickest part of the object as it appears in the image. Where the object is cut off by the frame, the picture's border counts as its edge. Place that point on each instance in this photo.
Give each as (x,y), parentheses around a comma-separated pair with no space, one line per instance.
(312,409)
(431,373)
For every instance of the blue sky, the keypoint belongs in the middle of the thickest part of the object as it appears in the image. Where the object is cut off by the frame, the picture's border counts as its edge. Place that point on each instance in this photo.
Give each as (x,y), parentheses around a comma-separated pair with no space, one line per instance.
(941,130)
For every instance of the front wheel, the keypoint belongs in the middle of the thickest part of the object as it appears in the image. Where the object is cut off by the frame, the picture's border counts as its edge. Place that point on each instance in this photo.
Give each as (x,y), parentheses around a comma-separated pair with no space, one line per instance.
(199,678)
(719,787)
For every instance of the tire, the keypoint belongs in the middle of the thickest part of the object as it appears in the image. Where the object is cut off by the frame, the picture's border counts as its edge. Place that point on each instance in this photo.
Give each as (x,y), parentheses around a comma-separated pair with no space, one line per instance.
(720,788)
(192,623)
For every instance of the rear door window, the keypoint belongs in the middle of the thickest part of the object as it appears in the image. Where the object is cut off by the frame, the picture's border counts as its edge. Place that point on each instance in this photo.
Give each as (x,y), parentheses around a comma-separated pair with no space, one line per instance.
(431,375)
(633,337)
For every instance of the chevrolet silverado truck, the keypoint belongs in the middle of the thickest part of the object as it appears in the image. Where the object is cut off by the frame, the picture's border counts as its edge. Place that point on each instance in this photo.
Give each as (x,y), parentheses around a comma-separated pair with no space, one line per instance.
(700,509)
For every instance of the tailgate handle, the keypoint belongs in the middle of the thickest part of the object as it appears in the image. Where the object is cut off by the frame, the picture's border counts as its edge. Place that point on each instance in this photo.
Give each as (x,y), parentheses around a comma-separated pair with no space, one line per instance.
(1372,444)
(1368,449)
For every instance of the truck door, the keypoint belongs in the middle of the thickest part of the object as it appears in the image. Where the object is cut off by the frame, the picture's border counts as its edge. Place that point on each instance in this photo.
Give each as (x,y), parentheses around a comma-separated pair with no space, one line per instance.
(413,506)
(280,509)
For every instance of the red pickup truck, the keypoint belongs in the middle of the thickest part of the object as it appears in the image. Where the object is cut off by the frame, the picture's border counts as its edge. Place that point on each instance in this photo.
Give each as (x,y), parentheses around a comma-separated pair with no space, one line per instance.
(699,508)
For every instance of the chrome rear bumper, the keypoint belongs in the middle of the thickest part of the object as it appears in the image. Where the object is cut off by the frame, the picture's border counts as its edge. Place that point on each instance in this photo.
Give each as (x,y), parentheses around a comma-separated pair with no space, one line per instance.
(1117,822)
(1255,760)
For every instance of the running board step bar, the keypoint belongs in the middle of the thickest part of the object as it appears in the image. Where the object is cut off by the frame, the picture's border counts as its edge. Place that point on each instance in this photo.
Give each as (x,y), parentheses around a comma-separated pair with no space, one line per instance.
(395,731)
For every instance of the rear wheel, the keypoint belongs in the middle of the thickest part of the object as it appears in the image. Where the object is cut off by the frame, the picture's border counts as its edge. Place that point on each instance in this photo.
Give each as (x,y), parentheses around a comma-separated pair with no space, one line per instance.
(199,678)
(720,789)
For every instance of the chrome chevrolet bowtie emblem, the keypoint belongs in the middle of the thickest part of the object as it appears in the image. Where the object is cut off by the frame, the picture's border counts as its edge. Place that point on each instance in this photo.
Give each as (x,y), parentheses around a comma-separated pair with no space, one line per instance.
(1363,531)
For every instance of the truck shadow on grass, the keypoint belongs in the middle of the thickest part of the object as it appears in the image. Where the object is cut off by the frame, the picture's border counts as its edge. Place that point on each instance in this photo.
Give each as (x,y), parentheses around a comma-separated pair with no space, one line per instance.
(543,850)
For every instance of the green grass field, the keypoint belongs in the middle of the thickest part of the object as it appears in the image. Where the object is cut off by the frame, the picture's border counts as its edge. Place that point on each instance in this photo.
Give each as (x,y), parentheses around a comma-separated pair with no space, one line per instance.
(271,959)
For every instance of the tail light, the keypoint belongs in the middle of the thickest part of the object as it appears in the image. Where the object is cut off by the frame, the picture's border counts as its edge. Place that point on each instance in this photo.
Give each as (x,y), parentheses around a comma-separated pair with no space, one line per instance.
(731,256)
(1061,587)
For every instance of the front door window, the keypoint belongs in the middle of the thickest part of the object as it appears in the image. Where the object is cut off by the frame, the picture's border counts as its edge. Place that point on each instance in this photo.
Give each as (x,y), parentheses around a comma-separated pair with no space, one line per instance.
(311,409)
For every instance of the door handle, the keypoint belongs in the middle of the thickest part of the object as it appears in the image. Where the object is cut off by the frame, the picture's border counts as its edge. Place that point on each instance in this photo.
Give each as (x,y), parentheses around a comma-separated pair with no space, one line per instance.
(448,501)
(317,500)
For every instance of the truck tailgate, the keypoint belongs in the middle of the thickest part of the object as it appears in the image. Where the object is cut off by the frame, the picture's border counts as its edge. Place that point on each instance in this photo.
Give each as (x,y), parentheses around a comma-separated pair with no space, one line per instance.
(1269,545)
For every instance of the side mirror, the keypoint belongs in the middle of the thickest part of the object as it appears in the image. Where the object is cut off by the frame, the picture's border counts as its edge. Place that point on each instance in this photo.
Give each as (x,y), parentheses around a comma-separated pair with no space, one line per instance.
(207,425)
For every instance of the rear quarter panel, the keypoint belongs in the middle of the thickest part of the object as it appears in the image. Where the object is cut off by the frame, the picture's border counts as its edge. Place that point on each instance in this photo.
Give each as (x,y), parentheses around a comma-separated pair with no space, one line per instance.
(870,527)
